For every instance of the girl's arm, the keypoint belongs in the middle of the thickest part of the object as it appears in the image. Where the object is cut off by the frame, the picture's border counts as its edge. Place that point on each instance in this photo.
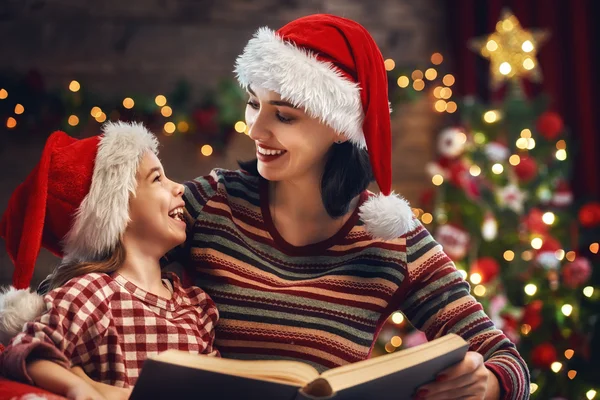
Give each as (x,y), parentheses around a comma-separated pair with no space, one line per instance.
(108,391)
(57,379)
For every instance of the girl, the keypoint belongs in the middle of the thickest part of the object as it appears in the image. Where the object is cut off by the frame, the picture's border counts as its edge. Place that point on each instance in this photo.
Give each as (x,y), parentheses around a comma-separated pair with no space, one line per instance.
(108,308)
(303,262)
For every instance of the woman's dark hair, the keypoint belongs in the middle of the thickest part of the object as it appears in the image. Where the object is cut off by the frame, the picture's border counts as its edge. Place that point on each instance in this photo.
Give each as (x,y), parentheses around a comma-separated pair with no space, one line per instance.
(347,174)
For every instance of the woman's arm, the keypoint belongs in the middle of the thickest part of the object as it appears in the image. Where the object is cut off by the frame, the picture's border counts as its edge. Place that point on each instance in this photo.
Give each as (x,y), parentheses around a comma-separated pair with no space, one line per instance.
(57,379)
(436,300)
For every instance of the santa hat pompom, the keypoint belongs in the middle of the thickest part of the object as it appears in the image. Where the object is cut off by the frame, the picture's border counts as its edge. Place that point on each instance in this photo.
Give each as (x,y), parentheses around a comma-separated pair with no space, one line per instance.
(17,307)
(387,217)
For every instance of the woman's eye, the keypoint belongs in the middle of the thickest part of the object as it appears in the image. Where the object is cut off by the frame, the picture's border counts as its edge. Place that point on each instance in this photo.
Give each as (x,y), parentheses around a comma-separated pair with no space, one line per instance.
(253,104)
(284,119)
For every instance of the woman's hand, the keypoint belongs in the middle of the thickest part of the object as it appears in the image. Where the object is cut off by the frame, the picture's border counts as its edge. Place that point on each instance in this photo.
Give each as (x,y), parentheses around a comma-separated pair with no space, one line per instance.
(469,379)
(83,391)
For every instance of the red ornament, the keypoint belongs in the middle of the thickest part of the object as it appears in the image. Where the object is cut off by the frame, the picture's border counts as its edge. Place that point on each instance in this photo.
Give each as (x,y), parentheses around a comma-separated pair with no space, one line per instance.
(487,267)
(543,355)
(550,125)
(532,314)
(576,273)
(534,221)
(527,169)
(589,215)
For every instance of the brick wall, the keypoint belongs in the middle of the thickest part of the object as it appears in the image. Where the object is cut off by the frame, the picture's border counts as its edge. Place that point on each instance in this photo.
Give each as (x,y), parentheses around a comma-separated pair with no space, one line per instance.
(118,47)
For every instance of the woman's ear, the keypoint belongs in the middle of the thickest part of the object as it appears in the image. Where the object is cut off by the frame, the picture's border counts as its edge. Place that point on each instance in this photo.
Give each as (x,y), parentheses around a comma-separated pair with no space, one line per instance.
(339,139)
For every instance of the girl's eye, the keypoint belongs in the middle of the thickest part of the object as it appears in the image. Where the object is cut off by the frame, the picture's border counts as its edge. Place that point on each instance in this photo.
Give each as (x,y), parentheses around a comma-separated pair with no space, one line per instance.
(158,178)
(284,119)
(253,104)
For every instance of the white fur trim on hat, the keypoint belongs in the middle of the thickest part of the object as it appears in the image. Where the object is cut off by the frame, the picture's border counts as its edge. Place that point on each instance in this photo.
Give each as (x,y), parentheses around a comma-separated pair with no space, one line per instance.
(271,63)
(387,217)
(103,215)
(17,307)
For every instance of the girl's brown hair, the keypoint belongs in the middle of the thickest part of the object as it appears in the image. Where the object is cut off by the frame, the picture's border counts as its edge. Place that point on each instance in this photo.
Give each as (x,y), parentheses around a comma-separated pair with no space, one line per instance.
(67,271)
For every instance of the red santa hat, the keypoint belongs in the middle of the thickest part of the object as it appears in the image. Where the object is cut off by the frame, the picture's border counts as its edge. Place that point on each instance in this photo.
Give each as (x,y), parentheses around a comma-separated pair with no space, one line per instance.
(331,67)
(75,203)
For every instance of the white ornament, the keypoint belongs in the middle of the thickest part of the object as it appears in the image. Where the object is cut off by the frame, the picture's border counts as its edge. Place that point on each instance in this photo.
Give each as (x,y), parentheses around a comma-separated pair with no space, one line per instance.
(451,142)
(512,197)
(496,152)
(489,228)
(547,259)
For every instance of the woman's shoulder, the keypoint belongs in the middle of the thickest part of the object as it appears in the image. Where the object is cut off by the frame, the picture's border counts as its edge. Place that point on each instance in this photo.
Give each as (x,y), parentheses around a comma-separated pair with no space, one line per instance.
(236,183)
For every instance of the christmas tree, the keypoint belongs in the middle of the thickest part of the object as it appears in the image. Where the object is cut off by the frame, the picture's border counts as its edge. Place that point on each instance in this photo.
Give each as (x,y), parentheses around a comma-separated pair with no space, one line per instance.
(502,208)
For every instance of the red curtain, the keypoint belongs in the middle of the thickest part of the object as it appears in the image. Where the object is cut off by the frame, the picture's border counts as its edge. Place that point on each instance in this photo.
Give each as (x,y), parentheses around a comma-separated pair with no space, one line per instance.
(569,61)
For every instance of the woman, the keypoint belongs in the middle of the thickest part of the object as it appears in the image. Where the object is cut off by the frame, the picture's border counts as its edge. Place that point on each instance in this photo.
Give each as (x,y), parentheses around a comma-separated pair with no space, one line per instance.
(302,262)
(109,307)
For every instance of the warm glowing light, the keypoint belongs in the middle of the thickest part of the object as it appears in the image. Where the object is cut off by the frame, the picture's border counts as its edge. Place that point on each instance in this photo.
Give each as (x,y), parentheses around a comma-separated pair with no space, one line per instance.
(525,329)
(3,94)
(427,218)
(507,25)
(95,111)
(491,45)
(128,103)
(396,341)
(509,255)
(440,105)
(437,92)
(240,126)
(548,218)
(561,154)
(169,128)
(570,256)
(183,126)
(536,243)
(11,123)
(206,150)
(389,64)
(530,144)
(559,254)
(569,353)
(490,117)
(566,309)
(403,81)
(73,120)
(497,169)
(514,160)
(479,137)
(588,291)
(572,374)
(166,111)
(594,247)
(431,74)
(528,64)
(19,109)
(101,117)
(397,318)
(74,86)
(527,255)
(505,68)
(389,348)
(417,74)
(530,289)
(451,107)
(160,100)
(446,93)
(556,366)
(448,80)
(533,387)
(526,133)
(419,85)
(522,143)
(437,179)
(479,290)
(474,170)
(561,145)
(527,46)
(436,58)
(475,278)
(590,394)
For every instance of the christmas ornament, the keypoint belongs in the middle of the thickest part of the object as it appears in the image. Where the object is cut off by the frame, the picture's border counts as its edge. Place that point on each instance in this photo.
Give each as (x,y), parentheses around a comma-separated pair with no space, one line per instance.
(454,240)
(550,125)
(487,267)
(576,273)
(511,197)
(489,228)
(546,255)
(496,152)
(534,222)
(526,169)
(563,196)
(451,142)
(511,50)
(532,314)
(543,355)
(589,215)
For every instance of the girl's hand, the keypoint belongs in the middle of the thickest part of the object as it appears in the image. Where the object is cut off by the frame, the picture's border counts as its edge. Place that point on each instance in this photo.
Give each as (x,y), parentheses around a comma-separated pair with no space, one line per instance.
(469,379)
(112,392)
(83,391)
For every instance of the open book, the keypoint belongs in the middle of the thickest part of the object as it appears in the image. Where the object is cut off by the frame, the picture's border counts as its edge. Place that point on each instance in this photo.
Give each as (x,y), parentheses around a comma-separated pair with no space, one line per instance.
(176,375)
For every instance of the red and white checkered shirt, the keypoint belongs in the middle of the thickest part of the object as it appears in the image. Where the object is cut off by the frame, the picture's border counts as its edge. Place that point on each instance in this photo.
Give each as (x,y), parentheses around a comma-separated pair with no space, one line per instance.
(109,326)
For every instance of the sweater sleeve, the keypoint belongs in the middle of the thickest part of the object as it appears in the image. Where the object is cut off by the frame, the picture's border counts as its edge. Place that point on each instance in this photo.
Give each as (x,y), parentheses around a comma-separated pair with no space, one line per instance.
(76,319)
(437,301)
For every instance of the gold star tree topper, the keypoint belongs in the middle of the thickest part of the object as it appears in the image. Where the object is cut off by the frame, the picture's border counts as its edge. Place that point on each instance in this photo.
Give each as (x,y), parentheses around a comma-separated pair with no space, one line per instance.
(511,50)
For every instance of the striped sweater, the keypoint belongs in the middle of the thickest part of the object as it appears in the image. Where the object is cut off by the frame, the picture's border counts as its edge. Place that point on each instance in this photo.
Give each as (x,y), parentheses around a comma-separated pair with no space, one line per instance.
(324,303)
